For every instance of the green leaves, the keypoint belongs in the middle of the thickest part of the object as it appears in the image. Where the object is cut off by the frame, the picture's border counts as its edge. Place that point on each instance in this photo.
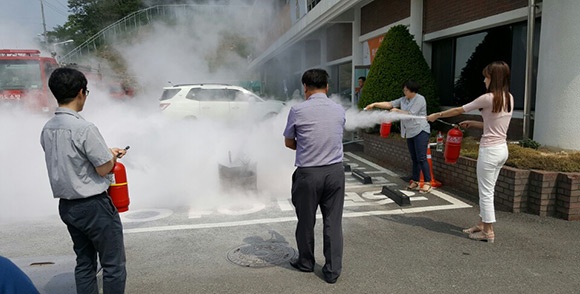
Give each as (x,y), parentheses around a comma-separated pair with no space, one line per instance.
(397,60)
(88,17)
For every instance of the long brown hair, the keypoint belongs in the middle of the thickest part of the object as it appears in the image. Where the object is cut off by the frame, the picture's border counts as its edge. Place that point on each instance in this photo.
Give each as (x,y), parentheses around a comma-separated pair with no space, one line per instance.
(498,73)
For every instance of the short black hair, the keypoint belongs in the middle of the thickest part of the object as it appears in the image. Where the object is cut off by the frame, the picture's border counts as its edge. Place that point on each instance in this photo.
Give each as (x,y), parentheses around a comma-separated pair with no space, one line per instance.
(411,85)
(363,79)
(315,78)
(65,83)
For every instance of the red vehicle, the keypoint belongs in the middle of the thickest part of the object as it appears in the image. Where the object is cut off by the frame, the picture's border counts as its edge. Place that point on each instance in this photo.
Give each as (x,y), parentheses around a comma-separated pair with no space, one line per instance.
(24,79)
(108,82)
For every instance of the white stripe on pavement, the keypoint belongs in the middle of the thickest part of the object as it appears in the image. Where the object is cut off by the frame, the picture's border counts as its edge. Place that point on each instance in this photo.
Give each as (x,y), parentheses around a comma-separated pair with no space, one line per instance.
(456,204)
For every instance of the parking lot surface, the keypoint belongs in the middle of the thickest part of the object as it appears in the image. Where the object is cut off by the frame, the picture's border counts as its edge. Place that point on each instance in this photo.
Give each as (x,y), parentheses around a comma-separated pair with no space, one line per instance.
(245,248)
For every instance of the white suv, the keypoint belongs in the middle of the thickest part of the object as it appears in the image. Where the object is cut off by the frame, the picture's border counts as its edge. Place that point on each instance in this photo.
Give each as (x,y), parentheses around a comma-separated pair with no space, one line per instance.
(219,101)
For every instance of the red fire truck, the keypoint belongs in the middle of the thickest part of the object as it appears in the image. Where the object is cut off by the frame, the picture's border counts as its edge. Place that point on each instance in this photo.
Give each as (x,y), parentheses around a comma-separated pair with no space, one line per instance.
(24,79)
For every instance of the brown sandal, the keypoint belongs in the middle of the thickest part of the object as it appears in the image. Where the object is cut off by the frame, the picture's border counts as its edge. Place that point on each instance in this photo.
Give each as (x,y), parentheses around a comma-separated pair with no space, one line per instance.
(483,236)
(426,188)
(472,230)
(413,186)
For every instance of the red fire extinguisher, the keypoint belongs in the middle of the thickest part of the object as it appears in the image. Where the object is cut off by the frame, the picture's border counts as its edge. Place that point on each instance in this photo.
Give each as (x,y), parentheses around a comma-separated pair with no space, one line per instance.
(385,129)
(453,145)
(119,190)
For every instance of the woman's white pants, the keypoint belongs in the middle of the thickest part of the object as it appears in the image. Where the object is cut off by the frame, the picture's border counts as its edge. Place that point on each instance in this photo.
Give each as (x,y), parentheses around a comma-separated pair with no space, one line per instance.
(489,163)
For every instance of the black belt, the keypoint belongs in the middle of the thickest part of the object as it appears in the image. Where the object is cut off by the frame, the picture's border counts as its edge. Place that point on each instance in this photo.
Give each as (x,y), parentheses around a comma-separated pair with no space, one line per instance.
(104,194)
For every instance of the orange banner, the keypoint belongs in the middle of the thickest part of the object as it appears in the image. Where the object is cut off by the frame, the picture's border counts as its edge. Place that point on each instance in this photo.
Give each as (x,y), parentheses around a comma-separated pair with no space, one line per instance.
(374,44)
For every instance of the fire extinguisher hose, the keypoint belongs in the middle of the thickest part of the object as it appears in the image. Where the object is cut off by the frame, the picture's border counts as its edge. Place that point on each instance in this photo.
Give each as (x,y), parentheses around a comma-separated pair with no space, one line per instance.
(450,124)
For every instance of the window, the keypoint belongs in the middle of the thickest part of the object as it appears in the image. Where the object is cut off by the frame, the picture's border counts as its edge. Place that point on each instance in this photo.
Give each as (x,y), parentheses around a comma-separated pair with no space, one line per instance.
(459,61)
(20,75)
(169,93)
(340,80)
(312,3)
(215,95)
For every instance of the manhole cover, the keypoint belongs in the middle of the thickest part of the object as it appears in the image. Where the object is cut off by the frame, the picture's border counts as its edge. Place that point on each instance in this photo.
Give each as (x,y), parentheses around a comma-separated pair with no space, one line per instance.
(262,254)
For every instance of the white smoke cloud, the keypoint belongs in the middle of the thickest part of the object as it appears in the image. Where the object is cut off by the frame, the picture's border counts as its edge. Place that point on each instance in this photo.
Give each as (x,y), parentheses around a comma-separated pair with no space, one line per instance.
(365,119)
(171,163)
(15,36)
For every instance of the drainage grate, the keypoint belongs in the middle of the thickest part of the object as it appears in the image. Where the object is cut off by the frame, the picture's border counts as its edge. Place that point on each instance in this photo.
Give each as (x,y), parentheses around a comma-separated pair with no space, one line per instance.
(261,254)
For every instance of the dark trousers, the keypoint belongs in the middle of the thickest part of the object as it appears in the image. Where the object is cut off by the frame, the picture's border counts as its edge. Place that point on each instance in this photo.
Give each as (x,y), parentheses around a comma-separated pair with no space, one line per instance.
(418,149)
(312,187)
(95,227)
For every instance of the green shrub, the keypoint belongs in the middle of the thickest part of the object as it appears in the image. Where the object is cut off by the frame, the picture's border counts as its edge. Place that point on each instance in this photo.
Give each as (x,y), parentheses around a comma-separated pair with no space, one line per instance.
(529,143)
(398,59)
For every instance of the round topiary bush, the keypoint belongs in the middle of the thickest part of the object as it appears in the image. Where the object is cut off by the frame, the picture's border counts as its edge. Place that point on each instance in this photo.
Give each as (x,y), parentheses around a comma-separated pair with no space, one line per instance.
(398,59)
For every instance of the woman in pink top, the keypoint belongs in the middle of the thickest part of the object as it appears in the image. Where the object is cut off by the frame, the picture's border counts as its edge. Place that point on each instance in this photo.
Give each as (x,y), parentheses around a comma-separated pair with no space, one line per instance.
(496,108)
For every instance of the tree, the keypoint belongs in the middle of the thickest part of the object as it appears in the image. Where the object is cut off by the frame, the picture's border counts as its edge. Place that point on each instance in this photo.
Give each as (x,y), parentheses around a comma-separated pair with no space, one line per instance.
(397,60)
(88,17)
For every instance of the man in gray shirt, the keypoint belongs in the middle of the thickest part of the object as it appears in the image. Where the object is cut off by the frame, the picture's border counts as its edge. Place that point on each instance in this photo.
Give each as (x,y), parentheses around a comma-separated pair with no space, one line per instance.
(314,129)
(78,160)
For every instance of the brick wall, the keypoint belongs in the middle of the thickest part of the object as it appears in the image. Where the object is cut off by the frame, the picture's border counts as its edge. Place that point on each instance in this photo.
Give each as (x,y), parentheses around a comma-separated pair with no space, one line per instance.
(381,13)
(442,14)
(568,196)
(339,41)
(542,193)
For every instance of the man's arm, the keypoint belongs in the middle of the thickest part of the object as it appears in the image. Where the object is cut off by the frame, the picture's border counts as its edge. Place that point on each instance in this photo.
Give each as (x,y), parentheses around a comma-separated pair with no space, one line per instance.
(107,167)
(290,143)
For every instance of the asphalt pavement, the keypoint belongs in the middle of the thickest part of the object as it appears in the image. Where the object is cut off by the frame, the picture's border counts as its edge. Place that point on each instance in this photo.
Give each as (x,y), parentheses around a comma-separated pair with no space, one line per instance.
(387,248)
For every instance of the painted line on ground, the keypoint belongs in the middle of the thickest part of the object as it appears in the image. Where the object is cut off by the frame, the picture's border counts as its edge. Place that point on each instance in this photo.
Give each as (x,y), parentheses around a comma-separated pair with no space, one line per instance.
(455,204)
(372,164)
(127,217)
(369,185)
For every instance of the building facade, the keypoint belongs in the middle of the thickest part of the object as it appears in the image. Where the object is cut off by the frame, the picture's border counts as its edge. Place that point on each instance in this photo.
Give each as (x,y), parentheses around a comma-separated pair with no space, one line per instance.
(342,37)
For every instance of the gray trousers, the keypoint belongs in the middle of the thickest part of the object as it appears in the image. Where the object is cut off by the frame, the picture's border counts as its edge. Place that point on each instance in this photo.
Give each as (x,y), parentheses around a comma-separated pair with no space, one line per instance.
(95,227)
(312,187)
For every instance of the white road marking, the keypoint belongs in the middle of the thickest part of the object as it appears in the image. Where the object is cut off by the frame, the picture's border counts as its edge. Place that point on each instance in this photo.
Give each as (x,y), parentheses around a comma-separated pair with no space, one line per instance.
(370,185)
(372,164)
(210,225)
(352,196)
(126,217)
(285,205)
(352,199)
(382,202)
(373,195)
(198,213)
(448,198)
(455,204)
(237,210)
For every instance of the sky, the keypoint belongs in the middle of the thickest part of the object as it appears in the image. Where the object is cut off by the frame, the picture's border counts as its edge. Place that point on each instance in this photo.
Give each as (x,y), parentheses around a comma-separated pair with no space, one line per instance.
(25,18)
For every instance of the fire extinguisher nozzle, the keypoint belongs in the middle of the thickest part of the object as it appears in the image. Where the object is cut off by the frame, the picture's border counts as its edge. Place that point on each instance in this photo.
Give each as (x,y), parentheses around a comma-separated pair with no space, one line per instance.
(126,148)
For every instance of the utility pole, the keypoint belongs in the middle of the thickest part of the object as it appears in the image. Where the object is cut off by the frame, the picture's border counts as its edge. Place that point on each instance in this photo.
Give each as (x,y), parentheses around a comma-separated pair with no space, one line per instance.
(43,23)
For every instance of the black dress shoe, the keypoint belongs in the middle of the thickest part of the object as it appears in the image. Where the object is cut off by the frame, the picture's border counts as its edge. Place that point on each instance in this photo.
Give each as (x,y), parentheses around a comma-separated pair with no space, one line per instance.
(294,264)
(330,281)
